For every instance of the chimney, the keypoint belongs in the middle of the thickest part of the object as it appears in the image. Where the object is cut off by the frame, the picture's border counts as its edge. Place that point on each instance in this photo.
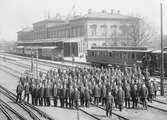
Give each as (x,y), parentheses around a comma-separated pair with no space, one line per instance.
(112,11)
(118,12)
(89,11)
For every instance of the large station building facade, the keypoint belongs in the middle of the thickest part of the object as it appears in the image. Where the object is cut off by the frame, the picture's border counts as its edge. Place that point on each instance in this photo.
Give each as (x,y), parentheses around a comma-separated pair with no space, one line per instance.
(75,35)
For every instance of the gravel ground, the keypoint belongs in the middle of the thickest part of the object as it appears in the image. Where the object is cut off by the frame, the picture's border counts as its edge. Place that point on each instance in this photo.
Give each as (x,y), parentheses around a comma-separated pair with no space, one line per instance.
(11,82)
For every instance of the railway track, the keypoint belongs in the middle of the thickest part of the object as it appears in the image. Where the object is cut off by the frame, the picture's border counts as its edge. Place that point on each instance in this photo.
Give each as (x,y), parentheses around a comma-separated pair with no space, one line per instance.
(121,117)
(162,106)
(92,115)
(12,113)
(55,63)
(37,111)
(98,118)
(30,112)
(4,114)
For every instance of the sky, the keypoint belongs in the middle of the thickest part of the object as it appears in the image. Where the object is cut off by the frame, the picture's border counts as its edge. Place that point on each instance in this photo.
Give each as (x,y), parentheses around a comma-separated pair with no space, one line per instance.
(17,14)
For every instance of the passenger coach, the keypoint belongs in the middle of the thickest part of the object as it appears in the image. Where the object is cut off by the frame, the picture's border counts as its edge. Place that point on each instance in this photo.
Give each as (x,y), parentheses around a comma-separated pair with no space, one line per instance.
(126,56)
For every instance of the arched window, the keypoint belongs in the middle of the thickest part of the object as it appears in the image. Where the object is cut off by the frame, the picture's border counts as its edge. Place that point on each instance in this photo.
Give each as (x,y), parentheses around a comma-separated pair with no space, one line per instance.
(104,30)
(93,29)
(104,44)
(94,45)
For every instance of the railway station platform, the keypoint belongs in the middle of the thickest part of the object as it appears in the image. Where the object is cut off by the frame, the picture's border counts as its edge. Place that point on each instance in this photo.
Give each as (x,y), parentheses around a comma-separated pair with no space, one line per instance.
(77,59)
(10,82)
(65,114)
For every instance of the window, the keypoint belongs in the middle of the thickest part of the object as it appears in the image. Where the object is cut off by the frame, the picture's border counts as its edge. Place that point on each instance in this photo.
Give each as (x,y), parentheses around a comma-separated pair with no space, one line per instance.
(104,30)
(133,55)
(94,45)
(113,29)
(93,30)
(110,54)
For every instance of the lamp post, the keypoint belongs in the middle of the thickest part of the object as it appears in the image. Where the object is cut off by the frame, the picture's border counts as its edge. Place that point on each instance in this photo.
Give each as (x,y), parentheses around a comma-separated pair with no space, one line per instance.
(162,54)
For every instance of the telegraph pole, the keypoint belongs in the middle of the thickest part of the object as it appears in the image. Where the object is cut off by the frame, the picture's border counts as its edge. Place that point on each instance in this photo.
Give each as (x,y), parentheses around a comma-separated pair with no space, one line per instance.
(37,63)
(162,54)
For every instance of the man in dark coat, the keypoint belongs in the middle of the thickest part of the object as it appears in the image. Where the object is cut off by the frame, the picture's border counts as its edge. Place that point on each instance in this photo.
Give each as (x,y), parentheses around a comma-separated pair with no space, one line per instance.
(45,92)
(19,91)
(82,95)
(37,95)
(155,88)
(127,95)
(33,87)
(96,95)
(26,91)
(76,97)
(41,94)
(103,95)
(48,95)
(54,92)
(115,94)
(109,104)
(150,91)
(87,96)
(121,97)
(144,94)
(71,96)
(134,95)
(62,95)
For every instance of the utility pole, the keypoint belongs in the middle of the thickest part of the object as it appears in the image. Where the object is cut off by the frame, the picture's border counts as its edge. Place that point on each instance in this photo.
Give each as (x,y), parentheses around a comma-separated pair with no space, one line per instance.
(162,54)
(32,63)
(37,63)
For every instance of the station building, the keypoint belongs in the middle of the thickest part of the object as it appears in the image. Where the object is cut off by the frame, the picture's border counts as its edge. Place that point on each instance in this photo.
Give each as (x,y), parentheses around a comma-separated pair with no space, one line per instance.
(73,36)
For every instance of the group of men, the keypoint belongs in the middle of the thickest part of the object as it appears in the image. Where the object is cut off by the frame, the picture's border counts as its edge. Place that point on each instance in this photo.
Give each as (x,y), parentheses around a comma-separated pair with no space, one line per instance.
(73,87)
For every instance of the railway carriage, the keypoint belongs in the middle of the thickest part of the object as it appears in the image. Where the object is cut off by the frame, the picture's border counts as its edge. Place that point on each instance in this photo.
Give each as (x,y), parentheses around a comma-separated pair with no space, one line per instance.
(126,56)
(116,55)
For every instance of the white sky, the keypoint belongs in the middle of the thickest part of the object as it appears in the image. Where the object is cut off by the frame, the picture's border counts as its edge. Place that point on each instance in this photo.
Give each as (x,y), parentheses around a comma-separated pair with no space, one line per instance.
(16,14)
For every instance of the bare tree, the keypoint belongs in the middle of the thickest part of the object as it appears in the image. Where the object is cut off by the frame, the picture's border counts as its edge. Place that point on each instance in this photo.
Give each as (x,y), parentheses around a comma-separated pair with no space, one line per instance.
(139,31)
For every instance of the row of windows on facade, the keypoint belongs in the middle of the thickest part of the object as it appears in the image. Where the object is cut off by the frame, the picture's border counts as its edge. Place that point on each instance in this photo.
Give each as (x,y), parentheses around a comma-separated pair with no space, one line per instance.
(52,34)
(112,30)
(75,32)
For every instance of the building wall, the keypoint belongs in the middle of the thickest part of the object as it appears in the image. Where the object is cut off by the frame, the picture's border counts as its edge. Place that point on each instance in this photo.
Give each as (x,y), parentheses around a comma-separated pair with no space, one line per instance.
(83,31)
(108,31)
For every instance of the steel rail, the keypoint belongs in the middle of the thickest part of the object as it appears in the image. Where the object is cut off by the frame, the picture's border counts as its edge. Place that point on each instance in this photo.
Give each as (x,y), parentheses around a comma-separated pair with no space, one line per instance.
(12,110)
(148,106)
(2,108)
(13,96)
(21,104)
(119,116)
(43,112)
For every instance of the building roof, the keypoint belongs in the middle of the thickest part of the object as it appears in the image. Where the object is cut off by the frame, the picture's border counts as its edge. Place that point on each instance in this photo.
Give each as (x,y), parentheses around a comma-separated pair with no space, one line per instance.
(53,20)
(108,15)
(120,47)
(26,29)
(101,15)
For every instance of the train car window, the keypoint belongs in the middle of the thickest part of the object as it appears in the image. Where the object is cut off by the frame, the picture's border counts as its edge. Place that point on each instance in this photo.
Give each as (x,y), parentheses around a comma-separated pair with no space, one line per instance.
(93,54)
(110,54)
(105,53)
(97,53)
(129,55)
(133,55)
